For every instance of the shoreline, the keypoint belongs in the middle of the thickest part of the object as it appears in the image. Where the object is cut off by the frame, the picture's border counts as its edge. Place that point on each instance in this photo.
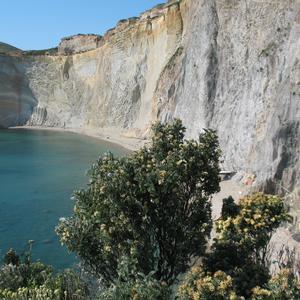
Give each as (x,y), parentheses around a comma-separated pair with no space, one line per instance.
(110,135)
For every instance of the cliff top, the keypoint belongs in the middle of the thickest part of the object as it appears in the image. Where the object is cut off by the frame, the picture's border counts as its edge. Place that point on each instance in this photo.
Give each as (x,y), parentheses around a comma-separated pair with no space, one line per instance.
(80,35)
(68,45)
(148,15)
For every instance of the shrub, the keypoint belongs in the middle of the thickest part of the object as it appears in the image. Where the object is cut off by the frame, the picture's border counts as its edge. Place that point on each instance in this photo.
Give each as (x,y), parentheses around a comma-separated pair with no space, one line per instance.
(24,279)
(154,202)
(282,286)
(132,285)
(13,277)
(11,257)
(243,234)
(200,285)
(36,293)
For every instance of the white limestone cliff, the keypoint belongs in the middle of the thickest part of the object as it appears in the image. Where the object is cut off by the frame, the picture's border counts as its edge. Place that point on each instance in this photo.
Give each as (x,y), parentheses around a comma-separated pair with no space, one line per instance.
(226,64)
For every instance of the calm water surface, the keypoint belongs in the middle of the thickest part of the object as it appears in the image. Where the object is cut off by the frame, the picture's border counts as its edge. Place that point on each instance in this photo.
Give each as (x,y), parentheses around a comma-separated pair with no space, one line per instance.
(38,172)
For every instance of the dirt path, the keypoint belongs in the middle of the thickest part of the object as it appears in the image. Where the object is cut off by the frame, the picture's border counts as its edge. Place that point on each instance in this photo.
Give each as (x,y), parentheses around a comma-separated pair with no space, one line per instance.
(228,188)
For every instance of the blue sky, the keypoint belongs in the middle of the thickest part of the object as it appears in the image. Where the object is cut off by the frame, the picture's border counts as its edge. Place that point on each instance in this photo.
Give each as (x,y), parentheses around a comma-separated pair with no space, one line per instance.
(40,24)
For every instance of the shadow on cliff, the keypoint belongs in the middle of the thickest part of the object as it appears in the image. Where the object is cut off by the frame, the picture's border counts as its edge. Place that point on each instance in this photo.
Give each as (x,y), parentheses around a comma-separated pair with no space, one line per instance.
(17,101)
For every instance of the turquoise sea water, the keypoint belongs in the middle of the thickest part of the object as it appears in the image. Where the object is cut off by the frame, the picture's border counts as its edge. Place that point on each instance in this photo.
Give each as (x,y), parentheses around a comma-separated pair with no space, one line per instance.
(39,170)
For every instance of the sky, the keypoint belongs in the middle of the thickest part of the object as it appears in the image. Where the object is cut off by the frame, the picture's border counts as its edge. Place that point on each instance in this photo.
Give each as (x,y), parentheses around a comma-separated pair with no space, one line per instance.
(40,24)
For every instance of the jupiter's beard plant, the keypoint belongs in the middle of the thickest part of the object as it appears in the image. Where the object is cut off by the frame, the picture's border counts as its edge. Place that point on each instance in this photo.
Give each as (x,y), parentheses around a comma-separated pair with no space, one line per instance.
(153,206)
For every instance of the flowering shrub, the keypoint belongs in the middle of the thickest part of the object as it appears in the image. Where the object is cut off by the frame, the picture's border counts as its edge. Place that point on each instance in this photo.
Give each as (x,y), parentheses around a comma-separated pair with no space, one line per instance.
(282,286)
(200,285)
(205,286)
(257,218)
(27,280)
(243,234)
(37,293)
(154,202)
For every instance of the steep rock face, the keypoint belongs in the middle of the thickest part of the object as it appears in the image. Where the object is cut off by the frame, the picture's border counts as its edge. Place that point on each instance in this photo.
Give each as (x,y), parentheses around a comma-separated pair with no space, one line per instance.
(111,86)
(227,64)
(16,98)
(239,73)
(257,95)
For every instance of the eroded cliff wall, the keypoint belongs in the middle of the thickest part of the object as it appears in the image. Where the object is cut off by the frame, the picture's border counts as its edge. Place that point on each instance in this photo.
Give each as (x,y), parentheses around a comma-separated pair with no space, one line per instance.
(227,64)
(239,73)
(16,99)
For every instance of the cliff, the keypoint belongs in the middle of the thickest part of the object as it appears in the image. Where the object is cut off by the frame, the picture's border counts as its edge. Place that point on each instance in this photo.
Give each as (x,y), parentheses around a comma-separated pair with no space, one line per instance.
(79,43)
(226,64)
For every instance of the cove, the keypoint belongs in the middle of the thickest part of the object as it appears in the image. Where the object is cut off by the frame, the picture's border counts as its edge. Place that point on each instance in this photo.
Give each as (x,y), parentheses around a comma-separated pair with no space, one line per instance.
(39,170)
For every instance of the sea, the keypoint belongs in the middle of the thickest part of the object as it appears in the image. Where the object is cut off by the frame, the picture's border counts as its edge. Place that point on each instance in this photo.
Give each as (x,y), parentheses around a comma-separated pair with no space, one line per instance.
(39,170)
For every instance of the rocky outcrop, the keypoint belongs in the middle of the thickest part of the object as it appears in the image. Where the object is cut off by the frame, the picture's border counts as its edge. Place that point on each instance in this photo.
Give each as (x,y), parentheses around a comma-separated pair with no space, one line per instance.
(226,64)
(79,43)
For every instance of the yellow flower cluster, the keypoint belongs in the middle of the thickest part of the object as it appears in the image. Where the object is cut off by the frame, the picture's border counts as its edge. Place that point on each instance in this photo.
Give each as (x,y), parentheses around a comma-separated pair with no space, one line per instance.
(259,213)
(283,285)
(162,176)
(284,279)
(201,286)
(37,293)
(64,236)
(259,293)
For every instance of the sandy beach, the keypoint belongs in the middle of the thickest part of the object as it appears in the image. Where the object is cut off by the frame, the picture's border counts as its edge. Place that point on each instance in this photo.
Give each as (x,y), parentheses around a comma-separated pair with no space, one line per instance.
(108,134)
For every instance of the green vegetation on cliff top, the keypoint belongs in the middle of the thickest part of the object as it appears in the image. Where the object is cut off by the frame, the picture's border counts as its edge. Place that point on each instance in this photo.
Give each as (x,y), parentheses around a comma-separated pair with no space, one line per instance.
(6,48)
(11,50)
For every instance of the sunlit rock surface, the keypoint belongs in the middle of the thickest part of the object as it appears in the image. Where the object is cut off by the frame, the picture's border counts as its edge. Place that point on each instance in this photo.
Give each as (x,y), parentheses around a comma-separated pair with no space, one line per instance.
(79,43)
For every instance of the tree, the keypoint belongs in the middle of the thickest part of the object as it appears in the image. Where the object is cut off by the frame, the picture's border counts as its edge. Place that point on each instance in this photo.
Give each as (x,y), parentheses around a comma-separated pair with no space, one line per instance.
(154,203)
(243,235)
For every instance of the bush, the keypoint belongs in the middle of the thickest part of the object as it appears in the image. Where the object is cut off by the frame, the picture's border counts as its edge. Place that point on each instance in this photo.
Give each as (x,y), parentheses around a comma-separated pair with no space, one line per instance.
(282,286)
(200,285)
(24,279)
(132,285)
(154,202)
(16,273)
(37,293)
(243,234)
(11,258)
